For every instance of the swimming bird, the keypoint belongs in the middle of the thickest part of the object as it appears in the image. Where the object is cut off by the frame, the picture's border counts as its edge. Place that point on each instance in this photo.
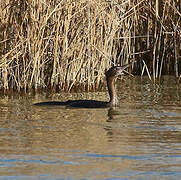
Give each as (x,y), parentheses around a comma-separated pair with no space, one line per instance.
(111,77)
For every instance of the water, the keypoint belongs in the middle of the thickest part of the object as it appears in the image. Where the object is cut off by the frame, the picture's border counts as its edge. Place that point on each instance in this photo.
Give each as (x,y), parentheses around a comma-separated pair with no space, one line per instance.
(139,140)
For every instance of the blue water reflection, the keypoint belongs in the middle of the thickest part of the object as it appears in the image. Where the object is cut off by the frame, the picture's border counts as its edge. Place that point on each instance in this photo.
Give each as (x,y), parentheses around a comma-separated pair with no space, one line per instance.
(139,140)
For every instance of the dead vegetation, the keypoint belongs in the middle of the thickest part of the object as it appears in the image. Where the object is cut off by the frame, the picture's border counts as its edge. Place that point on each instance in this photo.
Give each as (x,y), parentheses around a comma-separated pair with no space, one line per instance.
(67,43)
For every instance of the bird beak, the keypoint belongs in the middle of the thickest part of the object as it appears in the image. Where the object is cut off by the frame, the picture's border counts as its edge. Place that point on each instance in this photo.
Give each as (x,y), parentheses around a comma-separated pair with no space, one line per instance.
(121,70)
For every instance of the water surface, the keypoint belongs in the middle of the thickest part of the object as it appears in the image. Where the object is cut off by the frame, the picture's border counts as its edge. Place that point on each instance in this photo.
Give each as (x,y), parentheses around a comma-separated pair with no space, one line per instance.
(139,140)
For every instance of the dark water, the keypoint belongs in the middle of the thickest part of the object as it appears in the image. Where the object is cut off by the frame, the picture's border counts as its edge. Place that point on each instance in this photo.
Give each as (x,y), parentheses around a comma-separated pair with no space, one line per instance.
(139,140)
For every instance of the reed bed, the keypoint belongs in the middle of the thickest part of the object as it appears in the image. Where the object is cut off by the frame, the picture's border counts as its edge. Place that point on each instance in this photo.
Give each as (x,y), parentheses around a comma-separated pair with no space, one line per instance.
(63,44)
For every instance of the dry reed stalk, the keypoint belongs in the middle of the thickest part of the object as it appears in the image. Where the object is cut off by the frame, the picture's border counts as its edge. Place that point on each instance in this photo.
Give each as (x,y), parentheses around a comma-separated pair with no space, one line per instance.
(63,44)
(146,67)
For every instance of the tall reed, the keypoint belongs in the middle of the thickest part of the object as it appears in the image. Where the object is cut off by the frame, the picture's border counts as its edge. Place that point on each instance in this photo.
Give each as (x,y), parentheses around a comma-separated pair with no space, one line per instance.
(67,43)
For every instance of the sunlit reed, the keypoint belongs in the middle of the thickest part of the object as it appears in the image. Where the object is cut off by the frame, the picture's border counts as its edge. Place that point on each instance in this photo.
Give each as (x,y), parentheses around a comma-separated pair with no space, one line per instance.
(65,44)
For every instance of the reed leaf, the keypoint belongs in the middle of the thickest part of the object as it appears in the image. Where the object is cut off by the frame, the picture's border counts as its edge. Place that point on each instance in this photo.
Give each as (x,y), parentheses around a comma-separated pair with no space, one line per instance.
(65,44)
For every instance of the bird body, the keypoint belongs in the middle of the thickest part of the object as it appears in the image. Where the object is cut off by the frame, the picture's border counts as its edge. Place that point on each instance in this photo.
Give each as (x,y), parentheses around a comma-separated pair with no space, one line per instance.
(111,77)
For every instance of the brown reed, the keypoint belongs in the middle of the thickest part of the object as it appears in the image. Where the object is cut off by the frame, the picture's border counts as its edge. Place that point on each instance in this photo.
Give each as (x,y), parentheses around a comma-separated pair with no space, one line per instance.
(66,44)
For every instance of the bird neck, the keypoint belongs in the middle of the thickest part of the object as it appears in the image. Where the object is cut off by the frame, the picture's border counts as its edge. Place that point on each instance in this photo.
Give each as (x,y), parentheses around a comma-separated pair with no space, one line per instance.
(111,84)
